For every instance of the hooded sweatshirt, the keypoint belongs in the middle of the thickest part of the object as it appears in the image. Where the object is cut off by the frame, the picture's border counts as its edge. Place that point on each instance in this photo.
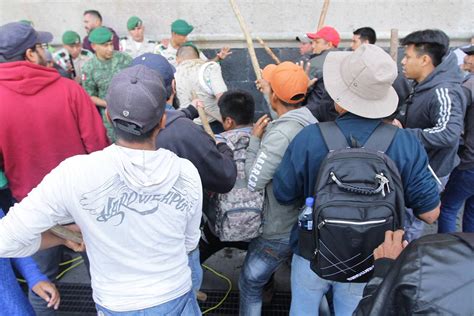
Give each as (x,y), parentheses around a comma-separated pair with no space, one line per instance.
(44,119)
(139,212)
(435,113)
(263,158)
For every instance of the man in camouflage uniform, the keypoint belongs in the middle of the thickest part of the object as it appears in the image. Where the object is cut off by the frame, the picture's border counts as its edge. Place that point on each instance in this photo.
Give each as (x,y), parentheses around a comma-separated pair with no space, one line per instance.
(72,56)
(180,30)
(136,44)
(98,72)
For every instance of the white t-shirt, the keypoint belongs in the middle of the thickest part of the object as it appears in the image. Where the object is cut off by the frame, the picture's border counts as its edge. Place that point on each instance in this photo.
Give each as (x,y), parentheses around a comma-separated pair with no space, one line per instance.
(139,212)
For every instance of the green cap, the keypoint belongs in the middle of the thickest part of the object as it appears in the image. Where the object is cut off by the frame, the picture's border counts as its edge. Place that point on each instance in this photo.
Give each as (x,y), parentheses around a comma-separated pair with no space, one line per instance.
(100,35)
(71,38)
(133,22)
(181,27)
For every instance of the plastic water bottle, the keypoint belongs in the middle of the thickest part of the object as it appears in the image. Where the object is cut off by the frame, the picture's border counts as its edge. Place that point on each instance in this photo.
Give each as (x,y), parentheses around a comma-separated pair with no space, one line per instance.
(305,219)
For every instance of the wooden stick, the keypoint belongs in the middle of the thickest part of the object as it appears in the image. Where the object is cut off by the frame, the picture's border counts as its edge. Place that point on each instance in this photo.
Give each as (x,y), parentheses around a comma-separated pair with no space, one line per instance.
(268,50)
(394,44)
(203,118)
(67,234)
(322,17)
(253,56)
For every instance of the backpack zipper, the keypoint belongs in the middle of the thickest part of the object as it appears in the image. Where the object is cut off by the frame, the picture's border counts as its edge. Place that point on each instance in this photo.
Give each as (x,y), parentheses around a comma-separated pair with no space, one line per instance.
(336,221)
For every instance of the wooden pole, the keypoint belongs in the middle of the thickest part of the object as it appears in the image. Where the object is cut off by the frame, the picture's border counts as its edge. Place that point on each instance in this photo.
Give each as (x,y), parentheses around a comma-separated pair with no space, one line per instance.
(203,118)
(268,50)
(67,234)
(322,17)
(394,44)
(253,56)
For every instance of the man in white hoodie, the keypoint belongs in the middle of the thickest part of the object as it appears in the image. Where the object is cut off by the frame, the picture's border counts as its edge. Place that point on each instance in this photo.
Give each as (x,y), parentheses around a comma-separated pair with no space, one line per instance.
(138,208)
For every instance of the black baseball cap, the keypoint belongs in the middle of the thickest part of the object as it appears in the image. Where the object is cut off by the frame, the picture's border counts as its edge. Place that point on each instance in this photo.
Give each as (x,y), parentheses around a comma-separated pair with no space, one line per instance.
(17,37)
(136,99)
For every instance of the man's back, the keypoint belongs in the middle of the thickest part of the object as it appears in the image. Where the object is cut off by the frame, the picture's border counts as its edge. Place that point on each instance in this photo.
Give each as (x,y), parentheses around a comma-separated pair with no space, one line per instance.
(45,119)
(139,212)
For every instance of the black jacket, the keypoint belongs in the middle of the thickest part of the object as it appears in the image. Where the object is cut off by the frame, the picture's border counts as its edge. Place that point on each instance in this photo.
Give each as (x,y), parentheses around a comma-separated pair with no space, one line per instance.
(466,151)
(435,113)
(188,140)
(434,275)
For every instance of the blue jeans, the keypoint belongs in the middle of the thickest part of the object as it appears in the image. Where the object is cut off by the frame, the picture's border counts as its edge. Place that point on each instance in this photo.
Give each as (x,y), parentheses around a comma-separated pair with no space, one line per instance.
(196,270)
(185,305)
(307,290)
(262,259)
(460,188)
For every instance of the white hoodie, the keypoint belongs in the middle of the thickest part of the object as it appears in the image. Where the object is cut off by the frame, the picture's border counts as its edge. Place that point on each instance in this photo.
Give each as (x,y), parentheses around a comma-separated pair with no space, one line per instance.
(139,212)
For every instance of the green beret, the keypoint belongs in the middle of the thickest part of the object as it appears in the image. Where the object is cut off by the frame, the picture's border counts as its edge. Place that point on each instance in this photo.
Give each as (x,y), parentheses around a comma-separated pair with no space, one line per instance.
(181,27)
(71,38)
(133,22)
(100,35)
(27,22)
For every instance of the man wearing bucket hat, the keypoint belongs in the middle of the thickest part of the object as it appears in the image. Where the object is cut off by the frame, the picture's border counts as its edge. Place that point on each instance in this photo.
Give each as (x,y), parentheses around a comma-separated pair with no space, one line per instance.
(72,56)
(180,29)
(360,83)
(136,44)
(138,207)
(98,72)
(288,84)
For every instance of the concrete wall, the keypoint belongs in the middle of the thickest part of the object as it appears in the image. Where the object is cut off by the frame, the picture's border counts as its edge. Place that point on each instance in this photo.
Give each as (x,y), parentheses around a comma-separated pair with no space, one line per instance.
(277,21)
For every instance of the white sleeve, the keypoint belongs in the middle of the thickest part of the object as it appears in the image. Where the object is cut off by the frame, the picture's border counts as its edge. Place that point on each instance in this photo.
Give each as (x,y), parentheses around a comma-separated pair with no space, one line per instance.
(217,82)
(193,231)
(43,208)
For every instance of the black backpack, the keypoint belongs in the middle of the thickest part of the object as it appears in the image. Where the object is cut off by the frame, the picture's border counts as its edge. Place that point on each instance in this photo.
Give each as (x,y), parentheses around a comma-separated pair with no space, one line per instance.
(358,196)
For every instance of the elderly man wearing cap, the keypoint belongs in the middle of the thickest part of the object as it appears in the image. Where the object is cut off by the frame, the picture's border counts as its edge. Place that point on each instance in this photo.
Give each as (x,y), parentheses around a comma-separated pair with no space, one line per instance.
(97,72)
(306,48)
(138,208)
(286,86)
(44,119)
(360,82)
(72,56)
(180,29)
(137,44)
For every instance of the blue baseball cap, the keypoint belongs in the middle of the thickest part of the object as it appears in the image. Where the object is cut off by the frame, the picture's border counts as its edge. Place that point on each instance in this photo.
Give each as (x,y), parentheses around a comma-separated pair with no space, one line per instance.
(159,64)
(17,37)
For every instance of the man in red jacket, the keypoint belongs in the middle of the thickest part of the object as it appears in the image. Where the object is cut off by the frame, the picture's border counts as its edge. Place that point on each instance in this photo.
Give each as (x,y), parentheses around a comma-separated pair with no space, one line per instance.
(44,119)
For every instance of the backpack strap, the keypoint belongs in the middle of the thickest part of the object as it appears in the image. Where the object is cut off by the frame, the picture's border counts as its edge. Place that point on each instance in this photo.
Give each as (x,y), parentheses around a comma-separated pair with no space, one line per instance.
(332,136)
(381,137)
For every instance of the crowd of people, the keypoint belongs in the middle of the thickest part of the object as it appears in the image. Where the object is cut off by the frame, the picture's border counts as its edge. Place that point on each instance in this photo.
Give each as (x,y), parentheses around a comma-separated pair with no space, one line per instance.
(140,147)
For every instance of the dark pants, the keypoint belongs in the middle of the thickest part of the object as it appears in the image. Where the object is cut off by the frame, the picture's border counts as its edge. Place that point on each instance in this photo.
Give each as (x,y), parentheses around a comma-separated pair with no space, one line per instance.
(460,189)
(210,244)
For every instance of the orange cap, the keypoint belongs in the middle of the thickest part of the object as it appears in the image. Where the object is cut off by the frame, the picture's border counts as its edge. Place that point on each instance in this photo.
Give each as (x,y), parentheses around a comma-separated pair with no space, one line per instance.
(288,81)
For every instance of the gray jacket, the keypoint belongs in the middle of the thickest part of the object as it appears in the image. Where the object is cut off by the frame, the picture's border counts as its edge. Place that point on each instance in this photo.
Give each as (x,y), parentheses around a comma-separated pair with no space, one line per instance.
(263,158)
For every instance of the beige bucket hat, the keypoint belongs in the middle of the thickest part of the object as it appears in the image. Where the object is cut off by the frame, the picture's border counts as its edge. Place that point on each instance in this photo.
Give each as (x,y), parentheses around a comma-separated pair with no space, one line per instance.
(361,81)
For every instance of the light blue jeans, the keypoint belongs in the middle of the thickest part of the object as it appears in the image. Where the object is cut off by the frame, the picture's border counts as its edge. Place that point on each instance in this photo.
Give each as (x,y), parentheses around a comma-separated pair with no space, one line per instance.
(185,305)
(307,290)
(262,259)
(196,270)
